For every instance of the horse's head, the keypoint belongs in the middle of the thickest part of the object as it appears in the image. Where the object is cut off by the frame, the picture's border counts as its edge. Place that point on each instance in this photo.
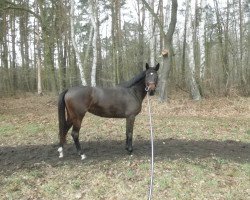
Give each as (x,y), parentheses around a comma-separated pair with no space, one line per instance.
(151,79)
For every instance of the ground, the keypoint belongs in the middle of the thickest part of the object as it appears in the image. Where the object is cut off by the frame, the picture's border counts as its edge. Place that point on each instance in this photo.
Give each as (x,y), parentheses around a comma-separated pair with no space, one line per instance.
(202,151)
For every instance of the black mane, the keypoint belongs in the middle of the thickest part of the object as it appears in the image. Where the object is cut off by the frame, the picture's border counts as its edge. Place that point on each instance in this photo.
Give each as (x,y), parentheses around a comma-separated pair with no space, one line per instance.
(133,81)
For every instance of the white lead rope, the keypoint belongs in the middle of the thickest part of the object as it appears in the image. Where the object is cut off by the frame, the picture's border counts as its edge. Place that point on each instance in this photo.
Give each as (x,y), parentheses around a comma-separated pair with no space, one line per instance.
(152,150)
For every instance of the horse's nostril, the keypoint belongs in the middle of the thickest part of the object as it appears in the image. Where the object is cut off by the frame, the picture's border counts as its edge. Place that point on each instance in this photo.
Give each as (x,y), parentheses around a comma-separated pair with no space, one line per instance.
(151,86)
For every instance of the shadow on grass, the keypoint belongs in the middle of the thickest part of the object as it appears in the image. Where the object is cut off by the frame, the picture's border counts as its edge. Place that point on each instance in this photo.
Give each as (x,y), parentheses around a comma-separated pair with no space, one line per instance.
(28,156)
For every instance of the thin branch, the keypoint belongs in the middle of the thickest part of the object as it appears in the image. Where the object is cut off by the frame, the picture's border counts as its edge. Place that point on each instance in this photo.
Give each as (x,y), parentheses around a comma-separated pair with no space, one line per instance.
(157,20)
(14,6)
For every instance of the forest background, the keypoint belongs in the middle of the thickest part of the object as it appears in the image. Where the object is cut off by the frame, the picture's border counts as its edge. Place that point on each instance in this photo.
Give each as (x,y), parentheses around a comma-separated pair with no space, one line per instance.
(202,46)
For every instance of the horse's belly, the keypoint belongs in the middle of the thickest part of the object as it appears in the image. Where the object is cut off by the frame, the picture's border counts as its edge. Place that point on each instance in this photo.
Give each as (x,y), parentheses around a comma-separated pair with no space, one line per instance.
(107,111)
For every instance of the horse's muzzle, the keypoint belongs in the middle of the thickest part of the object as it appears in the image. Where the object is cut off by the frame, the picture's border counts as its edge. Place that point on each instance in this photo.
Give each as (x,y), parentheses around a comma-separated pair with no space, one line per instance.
(151,86)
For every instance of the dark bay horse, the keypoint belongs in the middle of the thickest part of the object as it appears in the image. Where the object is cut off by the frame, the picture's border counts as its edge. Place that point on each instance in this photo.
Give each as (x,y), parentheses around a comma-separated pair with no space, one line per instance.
(122,101)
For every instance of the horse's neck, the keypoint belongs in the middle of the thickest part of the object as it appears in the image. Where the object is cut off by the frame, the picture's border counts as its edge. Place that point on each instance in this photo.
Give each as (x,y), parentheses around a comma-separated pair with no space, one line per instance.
(139,90)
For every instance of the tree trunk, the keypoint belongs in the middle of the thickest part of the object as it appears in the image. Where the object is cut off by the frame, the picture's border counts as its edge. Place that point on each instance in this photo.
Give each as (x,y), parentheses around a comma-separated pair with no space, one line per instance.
(194,90)
(116,40)
(114,51)
(167,54)
(4,55)
(224,52)
(183,67)
(93,5)
(200,44)
(24,46)
(87,49)
(80,66)
(242,68)
(39,78)
(141,22)
(38,57)
(26,52)
(152,35)
(48,40)
(201,38)
(14,84)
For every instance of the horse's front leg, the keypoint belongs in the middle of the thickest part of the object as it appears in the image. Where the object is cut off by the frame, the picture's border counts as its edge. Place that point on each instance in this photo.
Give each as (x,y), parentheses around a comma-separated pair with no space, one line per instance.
(129,133)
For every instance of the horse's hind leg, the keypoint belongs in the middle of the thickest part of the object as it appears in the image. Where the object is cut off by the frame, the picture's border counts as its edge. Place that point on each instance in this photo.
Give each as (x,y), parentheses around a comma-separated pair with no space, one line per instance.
(75,136)
(62,137)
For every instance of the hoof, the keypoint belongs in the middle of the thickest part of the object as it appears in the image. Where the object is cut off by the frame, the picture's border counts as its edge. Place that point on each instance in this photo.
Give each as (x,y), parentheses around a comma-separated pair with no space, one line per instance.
(83,157)
(129,150)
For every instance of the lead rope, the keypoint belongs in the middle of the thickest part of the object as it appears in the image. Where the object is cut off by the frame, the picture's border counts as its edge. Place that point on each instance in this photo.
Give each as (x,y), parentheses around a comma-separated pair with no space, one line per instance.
(152,150)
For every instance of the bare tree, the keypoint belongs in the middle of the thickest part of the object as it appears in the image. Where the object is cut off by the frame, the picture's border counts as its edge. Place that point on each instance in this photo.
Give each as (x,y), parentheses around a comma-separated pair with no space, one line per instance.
(38,58)
(94,22)
(13,60)
(141,23)
(116,40)
(152,34)
(200,35)
(242,53)
(72,4)
(223,43)
(194,90)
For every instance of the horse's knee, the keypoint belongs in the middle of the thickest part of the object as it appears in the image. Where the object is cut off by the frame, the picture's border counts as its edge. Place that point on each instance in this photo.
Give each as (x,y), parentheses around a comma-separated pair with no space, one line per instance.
(75,134)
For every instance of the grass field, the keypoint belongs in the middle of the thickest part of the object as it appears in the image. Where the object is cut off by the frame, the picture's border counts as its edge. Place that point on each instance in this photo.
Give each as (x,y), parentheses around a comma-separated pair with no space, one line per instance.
(202,151)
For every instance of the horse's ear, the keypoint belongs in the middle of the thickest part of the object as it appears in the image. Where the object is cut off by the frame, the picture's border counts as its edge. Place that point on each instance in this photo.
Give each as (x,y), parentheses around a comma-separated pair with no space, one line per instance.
(147,66)
(157,67)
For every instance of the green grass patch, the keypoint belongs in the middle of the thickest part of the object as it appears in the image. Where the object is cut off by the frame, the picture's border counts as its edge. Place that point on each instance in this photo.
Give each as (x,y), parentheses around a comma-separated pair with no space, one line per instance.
(7,129)
(32,128)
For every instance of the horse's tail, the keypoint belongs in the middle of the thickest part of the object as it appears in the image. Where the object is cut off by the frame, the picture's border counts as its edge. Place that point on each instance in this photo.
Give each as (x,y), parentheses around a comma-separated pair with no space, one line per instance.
(62,117)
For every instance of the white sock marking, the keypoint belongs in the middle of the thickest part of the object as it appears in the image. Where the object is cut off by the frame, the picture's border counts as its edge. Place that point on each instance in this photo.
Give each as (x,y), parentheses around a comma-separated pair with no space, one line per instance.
(83,157)
(60,150)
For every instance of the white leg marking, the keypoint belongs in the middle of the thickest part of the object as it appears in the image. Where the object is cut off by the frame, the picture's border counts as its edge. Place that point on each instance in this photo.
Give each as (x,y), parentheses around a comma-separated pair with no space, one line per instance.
(60,150)
(83,157)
